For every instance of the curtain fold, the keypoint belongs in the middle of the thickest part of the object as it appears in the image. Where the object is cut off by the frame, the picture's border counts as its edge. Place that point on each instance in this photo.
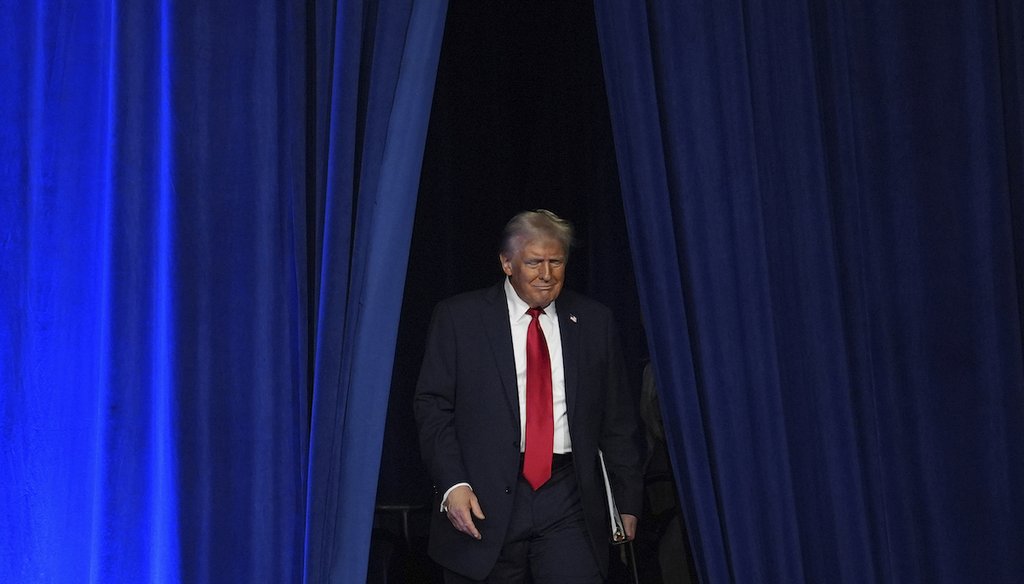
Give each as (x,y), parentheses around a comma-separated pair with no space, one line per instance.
(204,224)
(377,131)
(824,210)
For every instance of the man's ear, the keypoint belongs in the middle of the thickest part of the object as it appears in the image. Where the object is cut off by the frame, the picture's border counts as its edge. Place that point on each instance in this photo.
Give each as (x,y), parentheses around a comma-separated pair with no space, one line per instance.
(506,264)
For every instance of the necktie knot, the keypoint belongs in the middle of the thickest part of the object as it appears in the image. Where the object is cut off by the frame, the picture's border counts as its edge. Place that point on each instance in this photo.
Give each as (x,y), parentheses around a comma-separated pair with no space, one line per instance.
(535,312)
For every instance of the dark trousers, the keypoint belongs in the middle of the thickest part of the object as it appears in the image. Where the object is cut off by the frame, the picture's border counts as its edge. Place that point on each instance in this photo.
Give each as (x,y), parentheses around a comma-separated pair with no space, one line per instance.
(547,539)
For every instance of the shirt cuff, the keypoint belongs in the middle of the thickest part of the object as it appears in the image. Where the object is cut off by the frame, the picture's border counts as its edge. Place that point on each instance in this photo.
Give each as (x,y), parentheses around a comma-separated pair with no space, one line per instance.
(444,499)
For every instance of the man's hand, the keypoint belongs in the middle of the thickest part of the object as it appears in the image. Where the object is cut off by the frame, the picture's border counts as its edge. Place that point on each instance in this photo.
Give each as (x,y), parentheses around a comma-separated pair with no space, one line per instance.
(629,524)
(463,507)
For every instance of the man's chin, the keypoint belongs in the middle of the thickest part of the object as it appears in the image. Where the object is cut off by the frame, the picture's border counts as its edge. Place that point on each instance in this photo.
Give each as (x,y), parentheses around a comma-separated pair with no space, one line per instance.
(545,298)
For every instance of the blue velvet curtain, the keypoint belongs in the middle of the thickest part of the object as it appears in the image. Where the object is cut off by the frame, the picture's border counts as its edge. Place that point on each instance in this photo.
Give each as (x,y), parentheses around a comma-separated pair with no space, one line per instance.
(205,210)
(824,203)
(373,140)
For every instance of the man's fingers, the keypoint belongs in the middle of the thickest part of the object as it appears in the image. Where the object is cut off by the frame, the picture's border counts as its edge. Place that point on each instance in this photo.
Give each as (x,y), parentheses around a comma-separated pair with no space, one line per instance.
(629,524)
(471,528)
(462,521)
(474,506)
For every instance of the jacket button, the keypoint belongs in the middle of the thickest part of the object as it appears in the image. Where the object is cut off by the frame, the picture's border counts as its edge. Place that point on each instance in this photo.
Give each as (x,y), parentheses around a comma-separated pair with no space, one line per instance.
(507,490)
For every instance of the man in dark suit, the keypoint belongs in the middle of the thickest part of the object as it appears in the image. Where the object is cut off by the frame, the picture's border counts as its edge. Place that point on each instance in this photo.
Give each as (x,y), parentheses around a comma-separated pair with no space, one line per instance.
(521,385)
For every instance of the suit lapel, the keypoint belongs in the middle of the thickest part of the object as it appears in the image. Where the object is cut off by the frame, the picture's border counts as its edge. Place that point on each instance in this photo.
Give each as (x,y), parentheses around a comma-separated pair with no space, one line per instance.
(568,329)
(499,335)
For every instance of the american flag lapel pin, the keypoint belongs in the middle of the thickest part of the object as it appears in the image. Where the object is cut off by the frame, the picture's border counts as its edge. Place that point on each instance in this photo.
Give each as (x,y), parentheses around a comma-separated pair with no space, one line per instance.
(572,317)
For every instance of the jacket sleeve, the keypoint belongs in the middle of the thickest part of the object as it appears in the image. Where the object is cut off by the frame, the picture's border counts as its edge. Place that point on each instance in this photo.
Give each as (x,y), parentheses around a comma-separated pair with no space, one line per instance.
(434,403)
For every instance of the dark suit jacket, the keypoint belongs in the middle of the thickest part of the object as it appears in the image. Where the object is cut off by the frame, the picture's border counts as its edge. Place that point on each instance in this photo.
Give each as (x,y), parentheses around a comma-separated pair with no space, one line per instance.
(467,410)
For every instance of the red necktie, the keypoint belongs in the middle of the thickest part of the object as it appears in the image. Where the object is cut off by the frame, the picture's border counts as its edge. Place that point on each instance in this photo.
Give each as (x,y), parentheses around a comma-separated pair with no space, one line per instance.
(540,423)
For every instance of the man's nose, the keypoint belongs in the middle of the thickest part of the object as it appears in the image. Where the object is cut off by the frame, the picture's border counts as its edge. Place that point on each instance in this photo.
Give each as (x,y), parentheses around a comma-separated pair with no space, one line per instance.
(545,270)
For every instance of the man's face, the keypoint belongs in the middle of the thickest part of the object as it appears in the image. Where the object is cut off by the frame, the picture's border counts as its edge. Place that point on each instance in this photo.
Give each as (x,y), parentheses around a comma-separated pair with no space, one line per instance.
(536,271)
